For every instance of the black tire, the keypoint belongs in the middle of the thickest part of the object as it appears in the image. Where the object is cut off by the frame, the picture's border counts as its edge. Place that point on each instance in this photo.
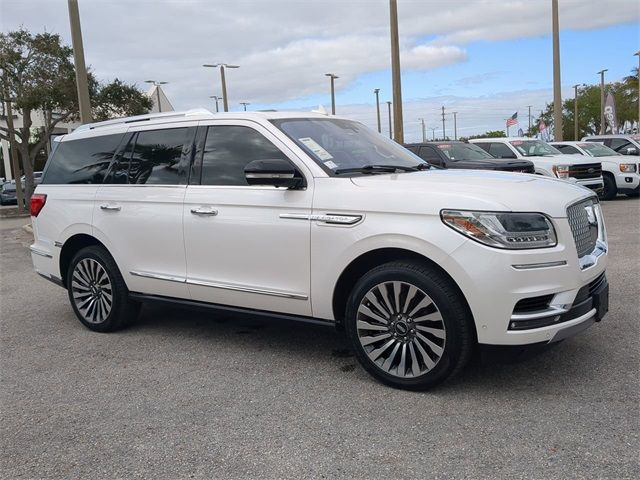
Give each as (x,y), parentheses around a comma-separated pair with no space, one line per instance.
(610,191)
(83,291)
(455,320)
(635,194)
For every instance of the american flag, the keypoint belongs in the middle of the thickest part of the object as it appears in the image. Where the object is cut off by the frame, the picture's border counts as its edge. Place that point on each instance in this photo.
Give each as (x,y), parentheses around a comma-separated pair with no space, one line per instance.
(513,120)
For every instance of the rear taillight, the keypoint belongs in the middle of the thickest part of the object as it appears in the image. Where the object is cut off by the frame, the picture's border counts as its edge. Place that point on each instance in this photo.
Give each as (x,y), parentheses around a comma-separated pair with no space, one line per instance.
(37,202)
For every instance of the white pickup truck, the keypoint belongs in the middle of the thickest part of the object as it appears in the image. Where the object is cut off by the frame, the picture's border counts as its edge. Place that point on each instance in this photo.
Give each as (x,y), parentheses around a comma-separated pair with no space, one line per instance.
(619,172)
(547,160)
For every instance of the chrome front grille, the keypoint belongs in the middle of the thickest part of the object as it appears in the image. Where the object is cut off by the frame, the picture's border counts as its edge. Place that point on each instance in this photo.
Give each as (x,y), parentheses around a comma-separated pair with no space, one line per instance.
(584,226)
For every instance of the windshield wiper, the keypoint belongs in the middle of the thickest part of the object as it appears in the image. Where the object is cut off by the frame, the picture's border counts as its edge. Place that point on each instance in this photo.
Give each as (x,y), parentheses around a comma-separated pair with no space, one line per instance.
(376,169)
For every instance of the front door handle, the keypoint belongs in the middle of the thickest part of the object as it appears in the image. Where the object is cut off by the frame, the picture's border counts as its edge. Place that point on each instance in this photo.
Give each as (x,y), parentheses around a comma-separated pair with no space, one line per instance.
(114,208)
(204,211)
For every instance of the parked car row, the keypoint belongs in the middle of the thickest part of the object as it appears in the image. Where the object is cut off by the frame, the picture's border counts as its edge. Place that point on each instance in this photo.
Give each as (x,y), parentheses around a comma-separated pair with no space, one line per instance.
(8,194)
(590,163)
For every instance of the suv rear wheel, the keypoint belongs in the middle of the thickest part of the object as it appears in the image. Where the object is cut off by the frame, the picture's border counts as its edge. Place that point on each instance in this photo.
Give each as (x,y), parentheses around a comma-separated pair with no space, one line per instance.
(410,328)
(97,291)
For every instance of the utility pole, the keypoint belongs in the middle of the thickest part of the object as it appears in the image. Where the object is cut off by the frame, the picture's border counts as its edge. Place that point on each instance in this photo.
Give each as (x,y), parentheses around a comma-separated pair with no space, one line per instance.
(333,92)
(216,98)
(223,66)
(395,73)
(424,131)
(82,83)
(433,132)
(637,54)
(575,113)
(602,124)
(529,131)
(444,135)
(557,94)
(390,131)
(244,104)
(157,85)
(455,125)
(377,92)
(14,153)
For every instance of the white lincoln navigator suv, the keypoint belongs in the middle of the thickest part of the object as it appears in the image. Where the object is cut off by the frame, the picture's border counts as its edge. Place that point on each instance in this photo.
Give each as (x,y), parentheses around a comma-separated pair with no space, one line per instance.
(318,219)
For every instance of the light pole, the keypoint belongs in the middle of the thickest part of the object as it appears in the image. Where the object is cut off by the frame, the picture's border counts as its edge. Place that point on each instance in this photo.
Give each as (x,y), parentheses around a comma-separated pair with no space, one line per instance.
(395,73)
(424,131)
(377,92)
(557,94)
(444,135)
(223,67)
(216,98)
(433,132)
(333,92)
(157,85)
(455,125)
(601,73)
(529,131)
(390,132)
(82,83)
(244,104)
(637,54)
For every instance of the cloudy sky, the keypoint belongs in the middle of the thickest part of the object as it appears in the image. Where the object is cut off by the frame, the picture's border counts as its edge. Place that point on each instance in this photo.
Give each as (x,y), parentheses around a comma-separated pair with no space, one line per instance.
(484,59)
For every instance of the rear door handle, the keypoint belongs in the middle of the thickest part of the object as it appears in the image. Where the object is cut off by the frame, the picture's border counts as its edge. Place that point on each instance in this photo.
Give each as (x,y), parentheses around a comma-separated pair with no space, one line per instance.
(114,208)
(212,212)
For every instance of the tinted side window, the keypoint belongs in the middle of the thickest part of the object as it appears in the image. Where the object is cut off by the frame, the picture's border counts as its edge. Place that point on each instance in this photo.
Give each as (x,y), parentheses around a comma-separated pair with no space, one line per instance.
(82,161)
(567,149)
(500,150)
(228,149)
(430,155)
(620,144)
(158,158)
(484,146)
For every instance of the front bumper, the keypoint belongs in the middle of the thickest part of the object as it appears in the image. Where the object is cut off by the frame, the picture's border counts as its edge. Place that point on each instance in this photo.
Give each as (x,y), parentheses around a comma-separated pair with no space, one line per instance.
(627,182)
(595,184)
(495,281)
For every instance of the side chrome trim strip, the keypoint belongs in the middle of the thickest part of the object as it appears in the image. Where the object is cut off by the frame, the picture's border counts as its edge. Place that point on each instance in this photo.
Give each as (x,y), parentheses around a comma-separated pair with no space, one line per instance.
(158,276)
(224,286)
(328,219)
(530,266)
(57,244)
(42,253)
(239,288)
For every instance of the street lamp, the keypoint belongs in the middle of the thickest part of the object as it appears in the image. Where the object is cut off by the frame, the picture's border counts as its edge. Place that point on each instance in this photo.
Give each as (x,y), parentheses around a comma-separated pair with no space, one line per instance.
(433,132)
(389,107)
(157,84)
(575,111)
(216,98)
(424,132)
(244,104)
(223,67)
(333,93)
(377,91)
(455,125)
(601,73)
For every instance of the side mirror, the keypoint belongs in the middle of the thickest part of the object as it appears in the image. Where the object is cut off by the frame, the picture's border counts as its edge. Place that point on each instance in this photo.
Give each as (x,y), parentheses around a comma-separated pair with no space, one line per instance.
(274,172)
(631,151)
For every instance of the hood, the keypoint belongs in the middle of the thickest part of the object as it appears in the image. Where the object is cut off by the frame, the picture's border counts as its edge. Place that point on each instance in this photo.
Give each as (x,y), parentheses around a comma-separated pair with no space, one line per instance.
(617,159)
(433,190)
(564,159)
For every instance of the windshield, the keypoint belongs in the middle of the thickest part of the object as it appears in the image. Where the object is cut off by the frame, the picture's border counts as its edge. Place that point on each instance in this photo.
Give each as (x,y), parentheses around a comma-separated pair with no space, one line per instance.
(463,151)
(597,150)
(534,148)
(337,145)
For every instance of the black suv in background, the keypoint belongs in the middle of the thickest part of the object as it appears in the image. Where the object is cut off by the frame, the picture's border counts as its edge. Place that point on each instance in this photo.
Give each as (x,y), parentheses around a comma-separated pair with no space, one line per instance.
(458,154)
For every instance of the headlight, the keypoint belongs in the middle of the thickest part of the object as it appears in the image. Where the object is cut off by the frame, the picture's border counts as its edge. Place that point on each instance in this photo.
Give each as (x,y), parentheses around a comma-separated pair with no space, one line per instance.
(628,167)
(561,171)
(503,229)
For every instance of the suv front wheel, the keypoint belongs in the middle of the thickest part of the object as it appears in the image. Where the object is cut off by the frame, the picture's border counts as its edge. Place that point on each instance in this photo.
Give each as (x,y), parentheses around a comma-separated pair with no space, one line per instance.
(98,294)
(409,326)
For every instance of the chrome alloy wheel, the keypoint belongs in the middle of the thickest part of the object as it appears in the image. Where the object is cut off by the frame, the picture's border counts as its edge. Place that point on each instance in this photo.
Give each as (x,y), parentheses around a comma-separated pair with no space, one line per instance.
(91,290)
(401,329)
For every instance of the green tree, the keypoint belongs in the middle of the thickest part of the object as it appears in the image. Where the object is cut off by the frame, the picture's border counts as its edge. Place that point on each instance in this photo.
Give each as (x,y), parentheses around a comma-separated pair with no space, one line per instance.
(489,134)
(38,77)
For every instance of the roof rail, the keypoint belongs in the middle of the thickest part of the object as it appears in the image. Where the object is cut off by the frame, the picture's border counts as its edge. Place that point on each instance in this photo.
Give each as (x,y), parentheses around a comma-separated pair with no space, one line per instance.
(196,112)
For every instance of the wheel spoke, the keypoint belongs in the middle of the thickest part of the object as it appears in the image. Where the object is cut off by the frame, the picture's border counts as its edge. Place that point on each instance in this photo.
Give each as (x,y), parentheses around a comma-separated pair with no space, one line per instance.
(367,312)
(415,366)
(368,340)
(425,302)
(362,325)
(375,354)
(389,361)
(372,298)
(396,296)
(80,279)
(436,332)
(384,293)
(410,295)
(424,355)
(435,316)
(434,348)
(402,366)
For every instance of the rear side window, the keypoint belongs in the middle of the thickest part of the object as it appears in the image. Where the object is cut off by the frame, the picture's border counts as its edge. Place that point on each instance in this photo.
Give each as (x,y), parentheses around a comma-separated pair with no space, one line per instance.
(228,149)
(567,149)
(430,155)
(84,161)
(620,144)
(500,150)
(158,158)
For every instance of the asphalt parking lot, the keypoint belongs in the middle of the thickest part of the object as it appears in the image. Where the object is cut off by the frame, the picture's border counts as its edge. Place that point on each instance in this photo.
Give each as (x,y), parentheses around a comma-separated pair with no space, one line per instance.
(192,395)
